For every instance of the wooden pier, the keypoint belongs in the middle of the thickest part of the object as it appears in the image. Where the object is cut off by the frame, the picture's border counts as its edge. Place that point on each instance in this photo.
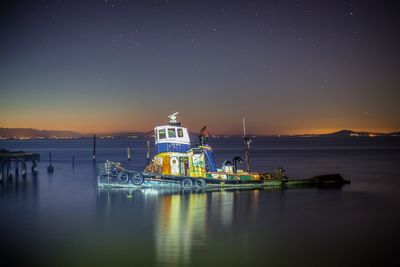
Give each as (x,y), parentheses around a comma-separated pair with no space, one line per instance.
(10,162)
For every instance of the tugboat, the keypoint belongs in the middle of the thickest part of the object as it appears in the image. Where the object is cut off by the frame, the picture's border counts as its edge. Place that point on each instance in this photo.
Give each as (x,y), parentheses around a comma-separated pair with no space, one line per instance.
(179,164)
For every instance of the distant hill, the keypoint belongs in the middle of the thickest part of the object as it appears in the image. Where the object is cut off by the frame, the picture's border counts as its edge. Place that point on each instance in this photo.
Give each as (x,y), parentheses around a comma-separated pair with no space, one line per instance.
(19,133)
(350,133)
(345,133)
(126,134)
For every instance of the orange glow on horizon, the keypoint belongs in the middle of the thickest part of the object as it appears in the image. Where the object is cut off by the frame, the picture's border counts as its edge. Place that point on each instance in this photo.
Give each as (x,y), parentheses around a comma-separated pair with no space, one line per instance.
(107,122)
(99,128)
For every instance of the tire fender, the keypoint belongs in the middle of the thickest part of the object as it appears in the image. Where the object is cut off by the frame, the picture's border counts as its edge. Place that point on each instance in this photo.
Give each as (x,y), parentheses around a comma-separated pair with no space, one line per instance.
(187,183)
(136,178)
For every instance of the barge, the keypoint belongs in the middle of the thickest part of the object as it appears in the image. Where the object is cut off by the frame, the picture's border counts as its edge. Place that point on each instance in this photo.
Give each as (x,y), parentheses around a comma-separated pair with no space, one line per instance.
(178,164)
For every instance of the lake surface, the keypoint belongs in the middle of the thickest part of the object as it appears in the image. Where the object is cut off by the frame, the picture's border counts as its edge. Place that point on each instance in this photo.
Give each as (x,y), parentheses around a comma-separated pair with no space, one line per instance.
(63,219)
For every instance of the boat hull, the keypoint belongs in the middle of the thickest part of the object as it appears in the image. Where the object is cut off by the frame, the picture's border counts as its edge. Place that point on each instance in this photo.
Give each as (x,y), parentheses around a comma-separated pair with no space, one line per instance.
(165,181)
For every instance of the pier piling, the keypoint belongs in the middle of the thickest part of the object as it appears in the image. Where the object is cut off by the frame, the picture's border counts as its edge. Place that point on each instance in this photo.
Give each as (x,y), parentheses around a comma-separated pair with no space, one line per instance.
(148,151)
(34,167)
(16,157)
(9,174)
(16,169)
(94,147)
(50,168)
(23,168)
(128,152)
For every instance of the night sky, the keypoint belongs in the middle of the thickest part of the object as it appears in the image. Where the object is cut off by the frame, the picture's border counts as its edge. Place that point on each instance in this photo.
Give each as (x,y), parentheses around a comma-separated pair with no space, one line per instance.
(289,66)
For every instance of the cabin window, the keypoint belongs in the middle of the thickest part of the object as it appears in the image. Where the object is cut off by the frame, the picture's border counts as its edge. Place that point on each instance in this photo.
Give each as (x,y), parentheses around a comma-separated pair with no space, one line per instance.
(161,134)
(180,132)
(171,133)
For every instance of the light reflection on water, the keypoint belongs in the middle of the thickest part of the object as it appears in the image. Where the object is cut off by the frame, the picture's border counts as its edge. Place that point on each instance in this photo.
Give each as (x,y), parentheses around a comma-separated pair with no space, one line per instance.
(183,220)
(180,225)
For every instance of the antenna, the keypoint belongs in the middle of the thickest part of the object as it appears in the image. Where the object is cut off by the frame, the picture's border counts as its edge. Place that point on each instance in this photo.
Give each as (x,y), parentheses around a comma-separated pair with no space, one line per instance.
(202,137)
(172,117)
(244,127)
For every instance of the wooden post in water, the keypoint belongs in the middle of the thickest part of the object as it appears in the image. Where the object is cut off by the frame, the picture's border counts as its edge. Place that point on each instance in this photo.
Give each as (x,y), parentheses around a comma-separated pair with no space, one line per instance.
(9,174)
(34,167)
(94,147)
(24,168)
(16,168)
(73,162)
(128,152)
(50,168)
(148,151)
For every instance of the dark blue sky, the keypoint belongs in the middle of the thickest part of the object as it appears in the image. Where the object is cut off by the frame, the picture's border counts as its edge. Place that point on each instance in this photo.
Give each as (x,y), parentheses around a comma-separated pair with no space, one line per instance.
(289,66)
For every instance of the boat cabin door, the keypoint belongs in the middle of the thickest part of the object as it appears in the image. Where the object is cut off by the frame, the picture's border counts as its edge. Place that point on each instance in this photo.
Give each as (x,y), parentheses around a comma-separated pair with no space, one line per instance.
(174,161)
(184,166)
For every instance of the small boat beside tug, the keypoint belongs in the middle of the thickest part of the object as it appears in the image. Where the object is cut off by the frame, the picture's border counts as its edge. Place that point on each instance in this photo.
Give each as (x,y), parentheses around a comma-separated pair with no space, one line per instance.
(180,164)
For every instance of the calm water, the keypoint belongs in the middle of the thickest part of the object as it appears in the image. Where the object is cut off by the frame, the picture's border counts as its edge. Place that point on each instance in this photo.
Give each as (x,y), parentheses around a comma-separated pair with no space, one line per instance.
(63,219)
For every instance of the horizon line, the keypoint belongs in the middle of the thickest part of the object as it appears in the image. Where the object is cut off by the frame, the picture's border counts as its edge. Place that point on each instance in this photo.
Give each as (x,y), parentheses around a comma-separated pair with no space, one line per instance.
(328,131)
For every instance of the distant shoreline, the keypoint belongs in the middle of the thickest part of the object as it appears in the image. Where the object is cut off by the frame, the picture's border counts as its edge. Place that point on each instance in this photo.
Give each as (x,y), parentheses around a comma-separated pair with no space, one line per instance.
(193,136)
(28,134)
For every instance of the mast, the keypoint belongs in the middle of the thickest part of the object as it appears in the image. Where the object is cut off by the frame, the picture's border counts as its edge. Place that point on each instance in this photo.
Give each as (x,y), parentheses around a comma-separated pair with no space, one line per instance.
(247,142)
(244,127)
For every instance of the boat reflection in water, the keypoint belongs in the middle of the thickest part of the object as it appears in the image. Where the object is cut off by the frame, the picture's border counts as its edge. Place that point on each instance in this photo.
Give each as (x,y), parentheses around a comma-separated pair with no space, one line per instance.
(184,223)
